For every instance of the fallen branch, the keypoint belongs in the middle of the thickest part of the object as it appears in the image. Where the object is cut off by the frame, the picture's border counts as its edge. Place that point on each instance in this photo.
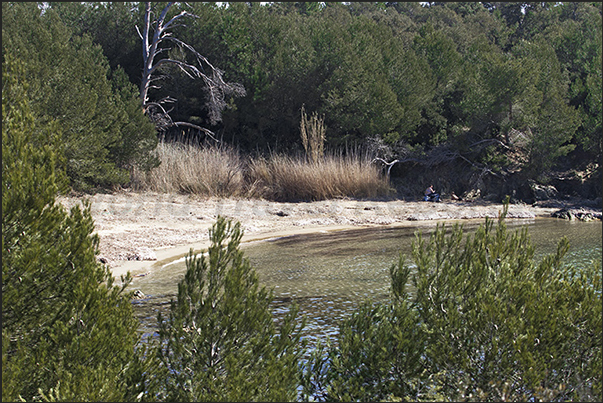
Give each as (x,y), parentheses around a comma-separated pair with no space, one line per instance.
(203,129)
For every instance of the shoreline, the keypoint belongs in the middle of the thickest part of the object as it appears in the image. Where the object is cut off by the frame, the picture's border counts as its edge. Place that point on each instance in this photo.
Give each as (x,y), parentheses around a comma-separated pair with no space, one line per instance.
(141,231)
(170,255)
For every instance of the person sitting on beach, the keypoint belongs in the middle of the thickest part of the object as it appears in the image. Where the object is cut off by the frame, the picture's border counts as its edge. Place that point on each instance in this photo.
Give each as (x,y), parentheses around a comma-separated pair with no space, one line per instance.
(431,195)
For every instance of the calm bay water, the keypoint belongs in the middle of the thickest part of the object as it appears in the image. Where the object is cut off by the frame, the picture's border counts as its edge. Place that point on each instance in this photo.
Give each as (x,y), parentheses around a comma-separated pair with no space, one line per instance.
(329,273)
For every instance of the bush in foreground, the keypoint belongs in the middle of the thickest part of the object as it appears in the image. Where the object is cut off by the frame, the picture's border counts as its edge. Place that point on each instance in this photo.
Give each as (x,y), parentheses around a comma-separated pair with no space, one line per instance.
(219,341)
(67,332)
(477,320)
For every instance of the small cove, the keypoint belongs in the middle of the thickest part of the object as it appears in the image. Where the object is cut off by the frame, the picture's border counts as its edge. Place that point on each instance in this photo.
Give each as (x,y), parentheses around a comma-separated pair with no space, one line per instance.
(329,273)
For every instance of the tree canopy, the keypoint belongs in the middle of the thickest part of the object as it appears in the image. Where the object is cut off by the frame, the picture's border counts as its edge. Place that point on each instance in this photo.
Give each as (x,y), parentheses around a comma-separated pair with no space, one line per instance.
(523,80)
(103,131)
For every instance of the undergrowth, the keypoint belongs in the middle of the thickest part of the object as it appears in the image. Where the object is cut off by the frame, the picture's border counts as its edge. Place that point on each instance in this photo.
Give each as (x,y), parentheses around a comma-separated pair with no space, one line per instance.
(221,171)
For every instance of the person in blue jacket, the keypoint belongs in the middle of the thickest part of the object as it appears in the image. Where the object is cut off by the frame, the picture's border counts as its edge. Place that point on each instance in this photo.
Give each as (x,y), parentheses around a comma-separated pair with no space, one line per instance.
(431,195)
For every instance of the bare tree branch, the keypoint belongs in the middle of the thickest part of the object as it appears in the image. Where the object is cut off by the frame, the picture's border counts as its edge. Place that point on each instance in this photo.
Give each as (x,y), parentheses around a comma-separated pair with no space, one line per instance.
(216,88)
(139,33)
(389,164)
(203,129)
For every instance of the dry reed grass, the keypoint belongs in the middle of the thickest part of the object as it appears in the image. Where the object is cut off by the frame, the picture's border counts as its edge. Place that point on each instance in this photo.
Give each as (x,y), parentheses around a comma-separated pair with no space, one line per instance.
(312,132)
(208,171)
(221,171)
(285,178)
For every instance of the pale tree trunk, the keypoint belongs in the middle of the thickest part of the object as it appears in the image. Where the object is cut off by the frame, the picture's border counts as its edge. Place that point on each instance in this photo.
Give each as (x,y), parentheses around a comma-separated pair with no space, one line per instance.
(156,33)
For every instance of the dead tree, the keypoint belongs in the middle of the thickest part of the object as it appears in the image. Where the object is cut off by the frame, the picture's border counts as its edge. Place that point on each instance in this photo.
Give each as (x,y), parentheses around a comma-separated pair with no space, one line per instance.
(388,164)
(157,41)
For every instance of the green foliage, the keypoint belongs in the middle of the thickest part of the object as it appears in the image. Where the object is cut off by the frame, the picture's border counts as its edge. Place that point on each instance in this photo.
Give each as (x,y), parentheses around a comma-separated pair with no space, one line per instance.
(103,132)
(220,342)
(577,40)
(110,25)
(138,136)
(553,121)
(473,319)
(67,332)
(430,75)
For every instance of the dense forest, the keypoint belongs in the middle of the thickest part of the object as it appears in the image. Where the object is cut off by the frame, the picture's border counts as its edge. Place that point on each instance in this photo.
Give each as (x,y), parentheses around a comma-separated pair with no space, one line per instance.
(474,96)
(482,98)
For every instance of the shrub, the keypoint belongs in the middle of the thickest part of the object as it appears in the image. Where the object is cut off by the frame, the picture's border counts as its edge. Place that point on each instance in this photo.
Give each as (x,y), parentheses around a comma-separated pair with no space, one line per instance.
(67,332)
(219,341)
(474,320)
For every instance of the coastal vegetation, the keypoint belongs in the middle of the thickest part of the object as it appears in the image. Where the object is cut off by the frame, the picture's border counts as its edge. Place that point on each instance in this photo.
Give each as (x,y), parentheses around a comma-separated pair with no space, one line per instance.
(477,98)
(221,171)
(496,90)
(472,318)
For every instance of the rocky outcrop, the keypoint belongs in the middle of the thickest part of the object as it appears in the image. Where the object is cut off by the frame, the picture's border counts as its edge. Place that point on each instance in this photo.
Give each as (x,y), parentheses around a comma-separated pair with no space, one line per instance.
(543,192)
(577,214)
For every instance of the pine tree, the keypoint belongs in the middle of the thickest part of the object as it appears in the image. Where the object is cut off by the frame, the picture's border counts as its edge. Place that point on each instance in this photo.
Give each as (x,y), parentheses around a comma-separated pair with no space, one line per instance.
(220,341)
(103,132)
(473,320)
(67,332)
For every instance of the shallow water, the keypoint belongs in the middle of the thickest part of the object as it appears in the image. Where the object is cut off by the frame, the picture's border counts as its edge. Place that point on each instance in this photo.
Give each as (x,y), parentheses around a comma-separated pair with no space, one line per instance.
(329,273)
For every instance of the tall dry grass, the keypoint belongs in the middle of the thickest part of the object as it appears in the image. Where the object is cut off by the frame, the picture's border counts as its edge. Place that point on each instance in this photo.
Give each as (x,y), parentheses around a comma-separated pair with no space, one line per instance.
(209,171)
(312,131)
(221,171)
(286,178)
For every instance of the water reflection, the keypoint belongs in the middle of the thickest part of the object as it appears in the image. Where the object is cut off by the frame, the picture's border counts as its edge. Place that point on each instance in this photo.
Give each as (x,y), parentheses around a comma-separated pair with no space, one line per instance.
(329,274)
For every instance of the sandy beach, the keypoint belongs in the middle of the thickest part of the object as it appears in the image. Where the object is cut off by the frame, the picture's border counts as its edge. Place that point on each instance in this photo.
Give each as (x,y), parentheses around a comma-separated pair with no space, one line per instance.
(140,230)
